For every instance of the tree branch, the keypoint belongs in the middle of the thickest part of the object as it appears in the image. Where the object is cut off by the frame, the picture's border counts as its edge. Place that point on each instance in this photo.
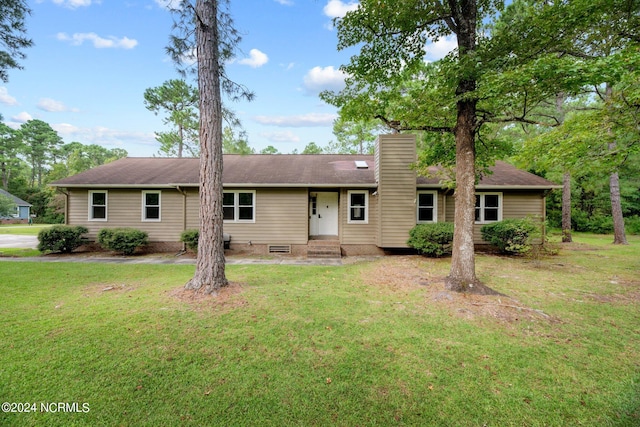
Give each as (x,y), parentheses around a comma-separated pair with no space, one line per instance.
(398,127)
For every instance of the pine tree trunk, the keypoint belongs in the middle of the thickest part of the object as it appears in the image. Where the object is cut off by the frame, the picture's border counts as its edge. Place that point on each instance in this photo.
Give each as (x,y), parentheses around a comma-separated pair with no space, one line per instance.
(209,276)
(619,235)
(566,208)
(180,141)
(5,176)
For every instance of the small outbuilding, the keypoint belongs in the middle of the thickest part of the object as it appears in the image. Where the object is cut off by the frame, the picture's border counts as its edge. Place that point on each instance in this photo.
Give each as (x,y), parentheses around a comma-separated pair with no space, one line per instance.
(22,212)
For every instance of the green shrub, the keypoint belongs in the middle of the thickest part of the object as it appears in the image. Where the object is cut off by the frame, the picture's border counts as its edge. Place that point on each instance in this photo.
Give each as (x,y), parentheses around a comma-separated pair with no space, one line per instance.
(598,224)
(124,240)
(432,240)
(511,236)
(190,238)
(632,224)
(61,238)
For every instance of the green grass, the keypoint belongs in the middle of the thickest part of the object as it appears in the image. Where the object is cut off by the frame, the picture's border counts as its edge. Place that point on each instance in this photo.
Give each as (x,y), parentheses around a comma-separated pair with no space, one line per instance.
(19,252)
(26,230)
(360,344)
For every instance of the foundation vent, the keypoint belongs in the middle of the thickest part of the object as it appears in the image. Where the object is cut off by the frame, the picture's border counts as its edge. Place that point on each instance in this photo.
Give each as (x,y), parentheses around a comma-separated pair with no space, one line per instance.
(279,249)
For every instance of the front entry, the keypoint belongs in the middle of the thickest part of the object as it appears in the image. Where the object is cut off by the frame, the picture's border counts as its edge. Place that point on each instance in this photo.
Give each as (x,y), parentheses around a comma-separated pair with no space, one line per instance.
(323,213)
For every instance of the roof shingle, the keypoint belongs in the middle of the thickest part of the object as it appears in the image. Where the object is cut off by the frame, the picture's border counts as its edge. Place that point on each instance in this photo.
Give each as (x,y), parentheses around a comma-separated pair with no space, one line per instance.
(261,170)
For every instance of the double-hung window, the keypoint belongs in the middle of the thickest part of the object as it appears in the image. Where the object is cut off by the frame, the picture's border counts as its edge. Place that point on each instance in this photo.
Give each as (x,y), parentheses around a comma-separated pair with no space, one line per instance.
(427,205)
(97,205)
(358,207)
(239,206)
(151,205)
(488,207)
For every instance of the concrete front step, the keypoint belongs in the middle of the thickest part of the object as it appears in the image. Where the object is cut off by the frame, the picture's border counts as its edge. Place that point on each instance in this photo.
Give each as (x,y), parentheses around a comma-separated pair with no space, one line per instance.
(323,249)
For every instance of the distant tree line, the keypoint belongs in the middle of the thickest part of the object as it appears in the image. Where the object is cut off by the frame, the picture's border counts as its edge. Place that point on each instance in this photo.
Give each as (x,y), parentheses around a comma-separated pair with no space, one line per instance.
(34,155)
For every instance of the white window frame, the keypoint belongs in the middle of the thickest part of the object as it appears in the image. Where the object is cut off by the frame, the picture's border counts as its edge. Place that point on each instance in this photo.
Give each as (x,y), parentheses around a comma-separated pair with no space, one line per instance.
(91,205)
(435,206)
(365,207)
(236,206)
(482,195)
(145,206)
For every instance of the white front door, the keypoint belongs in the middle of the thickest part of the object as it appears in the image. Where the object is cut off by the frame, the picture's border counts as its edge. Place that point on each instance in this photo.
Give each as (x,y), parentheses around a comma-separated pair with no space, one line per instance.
(323,214)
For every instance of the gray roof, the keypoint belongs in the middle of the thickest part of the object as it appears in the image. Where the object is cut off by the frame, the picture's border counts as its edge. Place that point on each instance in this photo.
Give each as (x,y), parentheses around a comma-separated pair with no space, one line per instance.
(18,201)
(261,170)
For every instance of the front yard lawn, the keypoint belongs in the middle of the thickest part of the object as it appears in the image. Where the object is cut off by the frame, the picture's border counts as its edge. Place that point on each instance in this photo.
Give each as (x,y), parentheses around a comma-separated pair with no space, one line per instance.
(369,343)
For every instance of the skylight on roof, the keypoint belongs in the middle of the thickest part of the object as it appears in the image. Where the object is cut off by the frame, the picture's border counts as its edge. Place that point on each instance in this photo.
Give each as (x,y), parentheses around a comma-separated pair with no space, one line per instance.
(361,164)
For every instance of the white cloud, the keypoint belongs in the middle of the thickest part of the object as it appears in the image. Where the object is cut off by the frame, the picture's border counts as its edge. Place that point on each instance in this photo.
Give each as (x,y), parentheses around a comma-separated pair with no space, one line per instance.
(337,8)
(168,4)
(288,66)
(5,98)
(22,117)
(256,59)
(72,4)
(65,129)
(285,2)
(53,106)
(327,78)
(98,42)
(286,136)
(441,48)
(302,120)
(104,136)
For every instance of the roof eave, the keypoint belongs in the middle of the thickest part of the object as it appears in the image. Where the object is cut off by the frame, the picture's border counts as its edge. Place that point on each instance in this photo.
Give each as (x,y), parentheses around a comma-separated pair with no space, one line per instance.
(226,185)
(517,187)
(116,185)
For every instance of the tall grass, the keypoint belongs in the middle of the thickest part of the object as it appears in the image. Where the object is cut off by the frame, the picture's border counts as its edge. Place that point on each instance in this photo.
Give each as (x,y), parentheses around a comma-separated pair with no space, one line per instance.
(377,343)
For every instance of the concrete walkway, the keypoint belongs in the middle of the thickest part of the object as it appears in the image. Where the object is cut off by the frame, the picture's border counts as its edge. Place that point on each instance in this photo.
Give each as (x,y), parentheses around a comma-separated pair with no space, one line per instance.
(18,242)
(147,259)
(31,242)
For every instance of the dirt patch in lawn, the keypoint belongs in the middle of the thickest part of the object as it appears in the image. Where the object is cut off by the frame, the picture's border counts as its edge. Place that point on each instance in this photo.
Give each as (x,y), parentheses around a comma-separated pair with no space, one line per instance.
(227,298)
(408,273)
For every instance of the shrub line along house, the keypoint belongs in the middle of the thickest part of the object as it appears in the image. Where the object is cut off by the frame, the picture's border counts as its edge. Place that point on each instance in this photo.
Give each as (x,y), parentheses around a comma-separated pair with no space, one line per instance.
(311,205)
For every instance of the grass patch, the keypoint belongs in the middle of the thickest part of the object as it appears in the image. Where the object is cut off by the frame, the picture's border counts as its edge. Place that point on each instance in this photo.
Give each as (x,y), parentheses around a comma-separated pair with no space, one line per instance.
(378,343)
(24,230)
(19,252)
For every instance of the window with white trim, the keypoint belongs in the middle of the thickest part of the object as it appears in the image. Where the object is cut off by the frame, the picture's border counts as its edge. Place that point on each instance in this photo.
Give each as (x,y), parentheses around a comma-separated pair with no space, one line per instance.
(97,205)
(488,207)
(427,205)
(358,207)
(151,205)
(239,206)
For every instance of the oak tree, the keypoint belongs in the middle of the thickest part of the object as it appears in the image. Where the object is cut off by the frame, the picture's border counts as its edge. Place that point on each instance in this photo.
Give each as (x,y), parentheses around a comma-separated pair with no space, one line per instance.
(498,73)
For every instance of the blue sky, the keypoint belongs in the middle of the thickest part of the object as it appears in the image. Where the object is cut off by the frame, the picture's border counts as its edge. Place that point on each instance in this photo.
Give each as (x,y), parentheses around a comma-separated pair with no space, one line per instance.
(92,61)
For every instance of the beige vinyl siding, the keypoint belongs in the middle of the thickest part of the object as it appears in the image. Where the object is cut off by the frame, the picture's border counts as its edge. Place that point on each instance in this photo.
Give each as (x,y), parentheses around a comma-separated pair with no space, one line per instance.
(193,208)
(124,209)
(449,208)
(522,204)
(442,207)
(396,189)
(358,234)
(281,217)
(515,204)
